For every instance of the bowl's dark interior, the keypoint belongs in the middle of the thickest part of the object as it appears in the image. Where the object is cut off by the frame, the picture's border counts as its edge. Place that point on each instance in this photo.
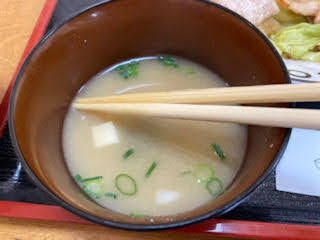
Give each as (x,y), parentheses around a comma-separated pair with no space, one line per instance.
(121,30)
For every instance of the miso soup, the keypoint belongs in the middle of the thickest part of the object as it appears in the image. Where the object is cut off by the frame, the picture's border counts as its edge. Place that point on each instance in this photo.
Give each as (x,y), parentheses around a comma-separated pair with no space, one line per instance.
(144,166)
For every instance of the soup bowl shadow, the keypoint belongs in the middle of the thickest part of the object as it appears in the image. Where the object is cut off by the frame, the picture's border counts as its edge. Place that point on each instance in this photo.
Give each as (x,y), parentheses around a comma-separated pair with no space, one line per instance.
(115,31)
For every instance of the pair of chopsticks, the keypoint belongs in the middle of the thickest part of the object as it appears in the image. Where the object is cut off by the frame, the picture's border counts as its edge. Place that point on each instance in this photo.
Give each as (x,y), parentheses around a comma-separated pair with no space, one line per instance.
(186,105)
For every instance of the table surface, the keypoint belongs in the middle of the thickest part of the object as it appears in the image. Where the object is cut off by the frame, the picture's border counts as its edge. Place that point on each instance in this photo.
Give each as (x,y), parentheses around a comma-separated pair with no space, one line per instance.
(14,35)
(264,204)
(34,230)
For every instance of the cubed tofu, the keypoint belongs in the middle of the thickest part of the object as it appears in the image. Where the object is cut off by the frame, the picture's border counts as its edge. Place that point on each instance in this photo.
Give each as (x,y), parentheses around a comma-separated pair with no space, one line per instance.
(104,134)
(166,196)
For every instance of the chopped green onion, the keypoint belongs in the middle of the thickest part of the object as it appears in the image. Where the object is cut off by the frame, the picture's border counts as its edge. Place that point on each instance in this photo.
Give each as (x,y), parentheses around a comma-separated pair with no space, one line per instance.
(94,188)
(128,153)
(126,184)
(78,178)
(151,168)
(91,179)
(168,61)
(111,195)
(219,151)
(203,172)
(128,70)
(214,186)
(186,172)
(138,215)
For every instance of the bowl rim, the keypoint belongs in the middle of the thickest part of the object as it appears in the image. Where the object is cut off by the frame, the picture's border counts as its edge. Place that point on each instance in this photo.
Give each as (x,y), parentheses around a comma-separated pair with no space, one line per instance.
(130,226)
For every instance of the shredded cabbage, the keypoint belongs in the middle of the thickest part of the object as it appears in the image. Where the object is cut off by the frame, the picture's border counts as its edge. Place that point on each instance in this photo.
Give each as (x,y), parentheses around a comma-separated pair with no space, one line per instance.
(301,41)
(312,57)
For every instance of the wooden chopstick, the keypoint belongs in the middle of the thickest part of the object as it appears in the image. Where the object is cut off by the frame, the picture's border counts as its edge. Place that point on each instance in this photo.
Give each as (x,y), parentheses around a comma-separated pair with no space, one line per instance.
(227,95)
(264,116)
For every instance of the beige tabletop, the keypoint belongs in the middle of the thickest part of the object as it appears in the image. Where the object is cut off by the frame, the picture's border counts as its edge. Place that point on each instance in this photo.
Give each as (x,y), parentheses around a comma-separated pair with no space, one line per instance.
(19,229)
(17,20)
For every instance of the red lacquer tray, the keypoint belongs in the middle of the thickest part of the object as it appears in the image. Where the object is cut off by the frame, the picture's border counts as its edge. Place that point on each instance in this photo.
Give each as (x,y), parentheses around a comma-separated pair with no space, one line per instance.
(216,227)
(221,227)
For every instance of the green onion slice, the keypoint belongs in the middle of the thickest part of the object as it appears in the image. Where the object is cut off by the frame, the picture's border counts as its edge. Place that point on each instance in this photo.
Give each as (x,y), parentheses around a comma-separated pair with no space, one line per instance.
(78,178)
(128,153)
(128,70)
(138,215)
(203,172)
(168,61)
(214,186)
(219,151)
(94,188)
(151,168)
(91,179)
(111,195)
(126,184)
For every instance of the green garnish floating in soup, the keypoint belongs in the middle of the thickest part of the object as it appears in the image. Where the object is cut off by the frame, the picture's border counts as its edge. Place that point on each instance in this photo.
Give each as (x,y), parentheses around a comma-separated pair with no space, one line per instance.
(219,151)
(128,70)
(138,215)
(78,178)
(214,186)
(203,172)
(186,172)
(151,168)
(128,153)
(111,195)
(94,188)
(126,184)
(168,61)
(91,179)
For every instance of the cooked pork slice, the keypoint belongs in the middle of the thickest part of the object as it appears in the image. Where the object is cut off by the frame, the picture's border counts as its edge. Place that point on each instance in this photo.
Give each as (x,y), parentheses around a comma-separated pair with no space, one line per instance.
(256,11)
(304,7)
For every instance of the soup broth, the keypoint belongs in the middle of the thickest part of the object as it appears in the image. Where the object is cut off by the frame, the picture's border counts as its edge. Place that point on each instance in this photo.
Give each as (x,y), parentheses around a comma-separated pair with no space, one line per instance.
(144,166)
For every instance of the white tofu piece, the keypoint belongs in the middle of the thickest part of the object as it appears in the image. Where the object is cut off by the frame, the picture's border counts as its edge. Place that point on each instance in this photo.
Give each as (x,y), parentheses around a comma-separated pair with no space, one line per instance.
(166,196)
(104,134)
